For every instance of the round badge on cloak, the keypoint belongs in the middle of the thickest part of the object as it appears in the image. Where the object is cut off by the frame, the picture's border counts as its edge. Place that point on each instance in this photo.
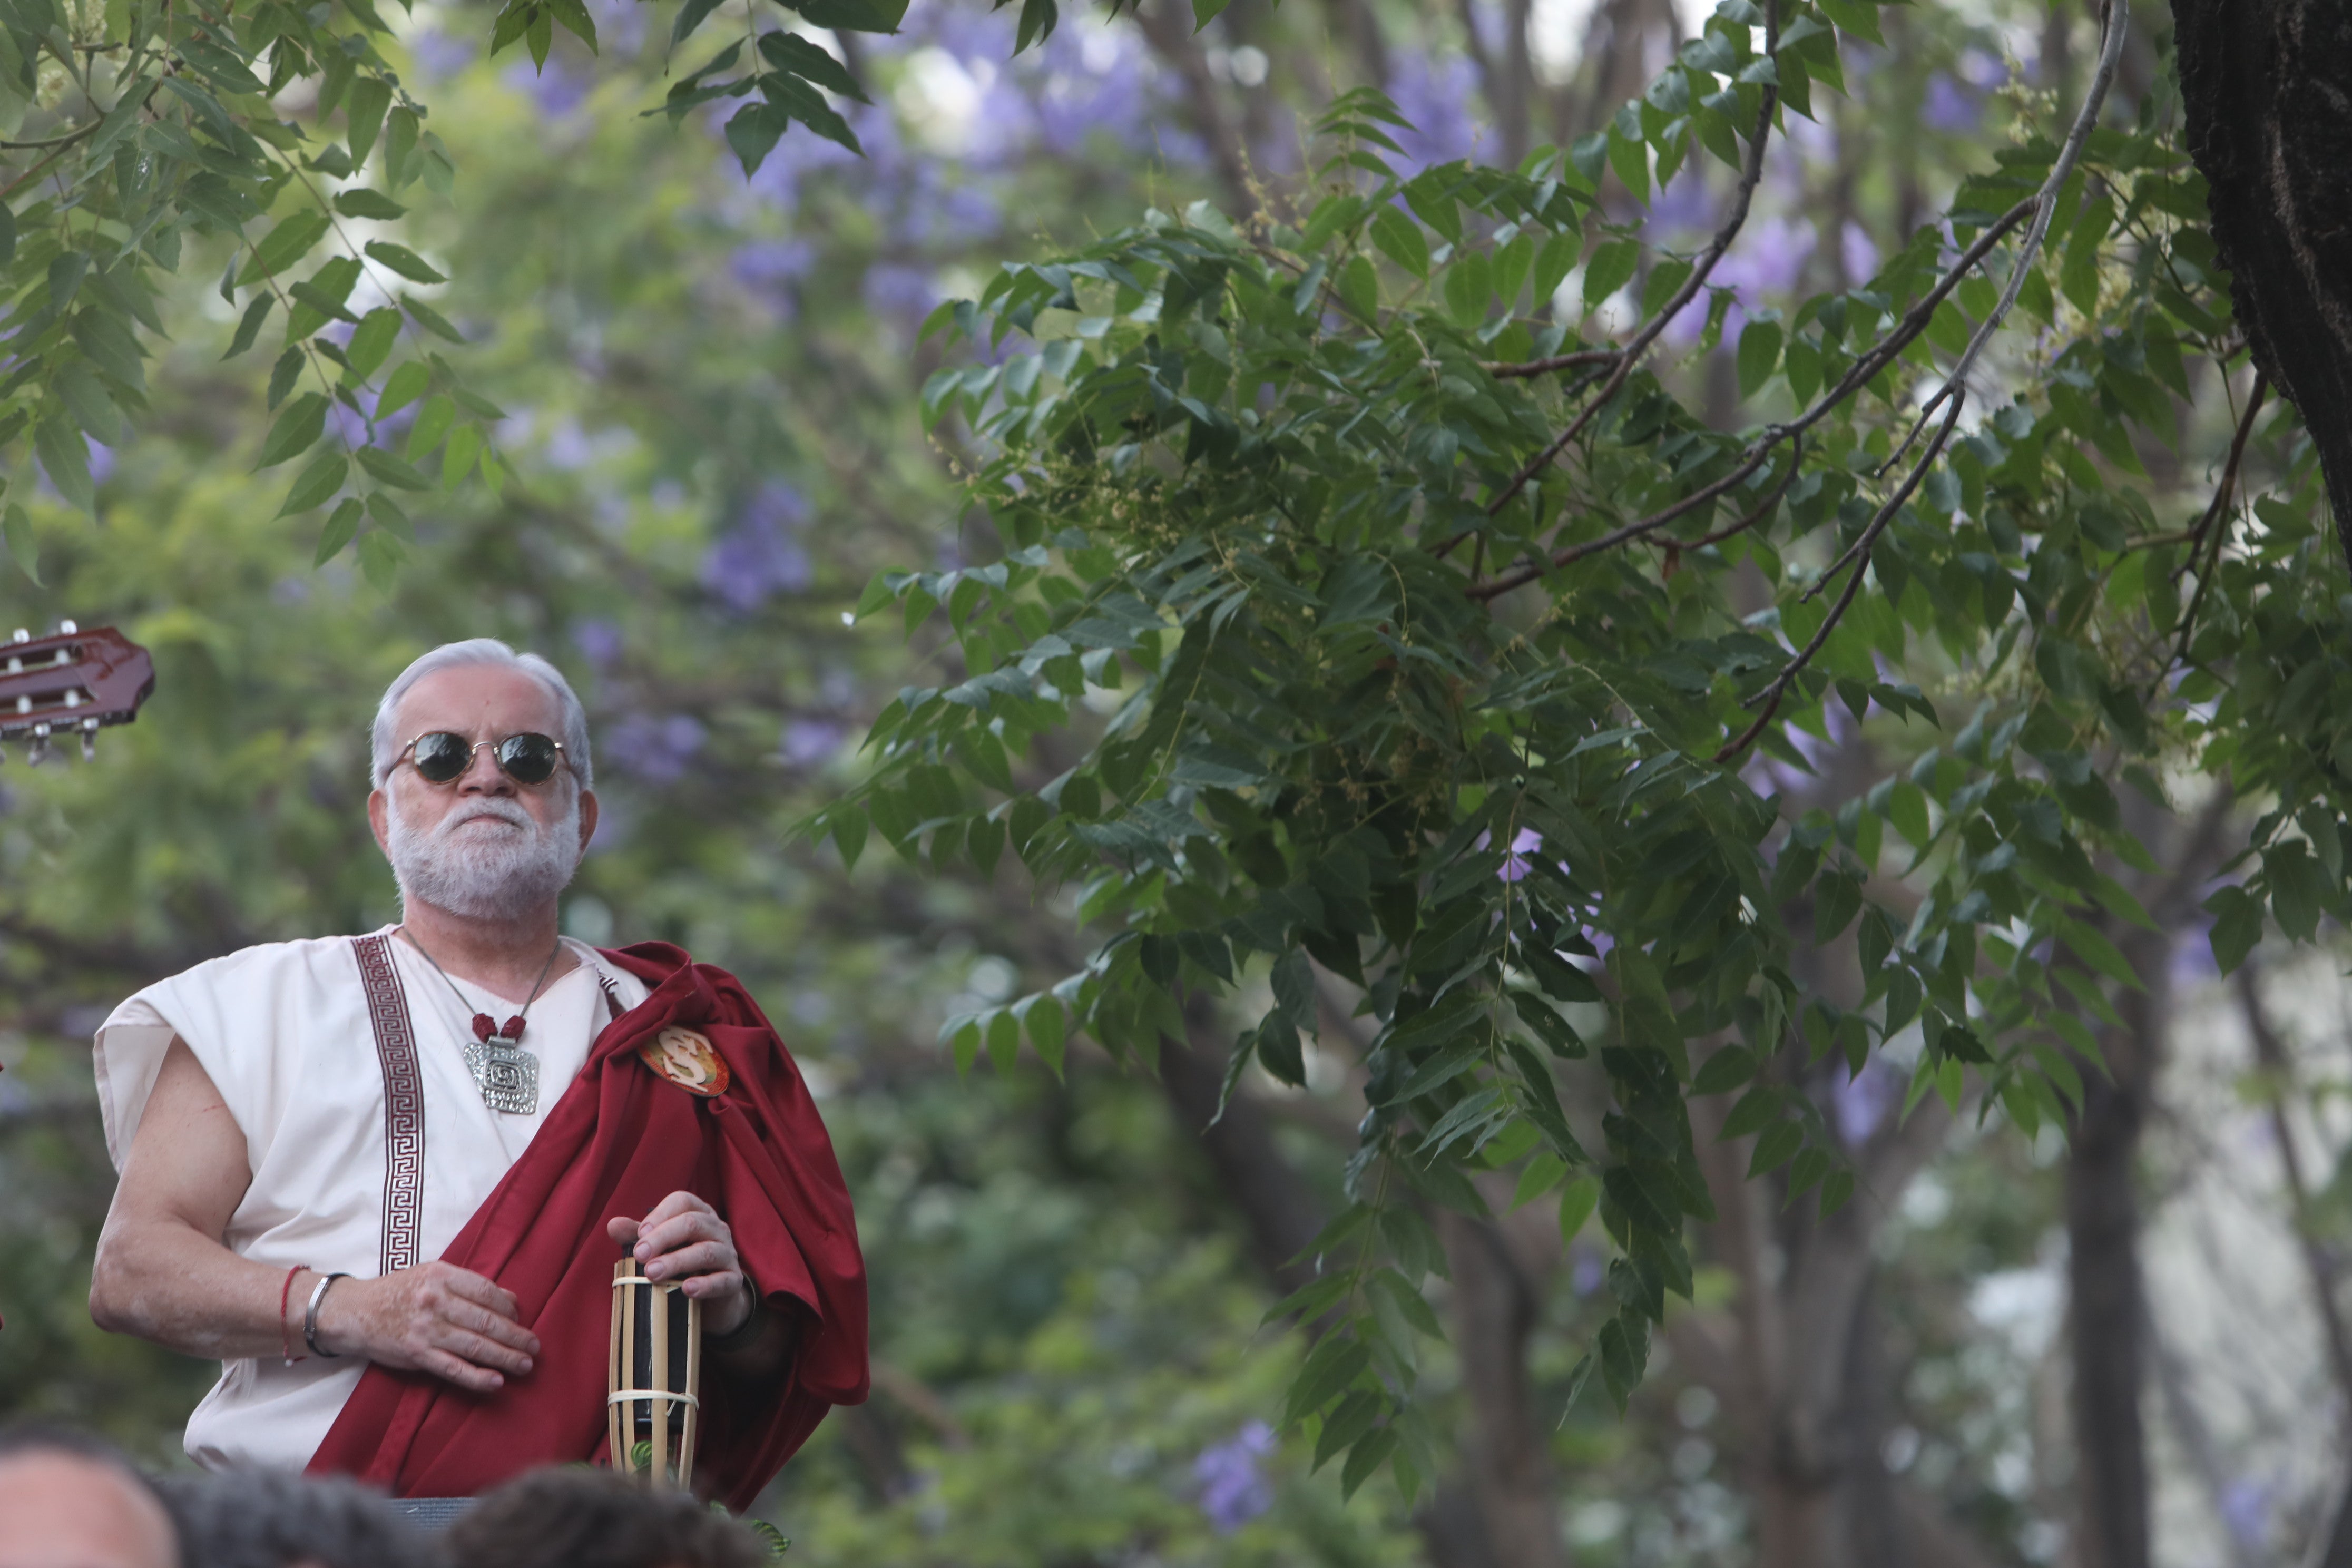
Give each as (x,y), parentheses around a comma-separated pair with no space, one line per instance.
(687,1059)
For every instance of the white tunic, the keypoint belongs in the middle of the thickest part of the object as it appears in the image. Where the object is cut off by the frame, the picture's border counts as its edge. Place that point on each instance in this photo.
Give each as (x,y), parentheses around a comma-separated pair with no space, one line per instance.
(283,1030)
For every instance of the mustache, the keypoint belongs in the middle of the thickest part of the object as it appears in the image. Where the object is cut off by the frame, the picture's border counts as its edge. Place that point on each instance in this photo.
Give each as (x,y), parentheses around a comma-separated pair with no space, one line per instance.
(511,812)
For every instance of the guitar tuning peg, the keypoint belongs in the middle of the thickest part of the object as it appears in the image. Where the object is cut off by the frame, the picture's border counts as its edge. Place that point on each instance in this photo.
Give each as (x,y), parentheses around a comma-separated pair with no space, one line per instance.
(89,740)
(21,636)
(67,628)
(38,752)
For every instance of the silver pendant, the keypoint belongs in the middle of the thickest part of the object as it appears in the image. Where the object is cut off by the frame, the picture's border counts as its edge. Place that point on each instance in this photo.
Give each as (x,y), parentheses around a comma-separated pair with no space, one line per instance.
(507,1075)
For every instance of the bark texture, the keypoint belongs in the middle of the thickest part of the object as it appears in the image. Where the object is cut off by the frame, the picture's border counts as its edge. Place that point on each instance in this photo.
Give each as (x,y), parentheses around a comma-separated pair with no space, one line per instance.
(2267,89)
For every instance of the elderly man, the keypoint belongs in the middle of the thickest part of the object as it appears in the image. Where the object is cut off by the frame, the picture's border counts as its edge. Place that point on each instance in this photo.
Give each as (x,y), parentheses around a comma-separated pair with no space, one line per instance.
(386,1178)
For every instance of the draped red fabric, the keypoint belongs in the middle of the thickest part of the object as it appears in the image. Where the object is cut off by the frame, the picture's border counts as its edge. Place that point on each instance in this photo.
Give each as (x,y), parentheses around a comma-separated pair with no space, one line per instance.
(620,1139)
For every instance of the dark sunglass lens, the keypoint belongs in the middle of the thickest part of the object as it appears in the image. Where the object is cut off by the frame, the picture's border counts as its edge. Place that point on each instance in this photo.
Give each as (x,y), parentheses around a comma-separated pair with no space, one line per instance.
(529,759)
(441,756)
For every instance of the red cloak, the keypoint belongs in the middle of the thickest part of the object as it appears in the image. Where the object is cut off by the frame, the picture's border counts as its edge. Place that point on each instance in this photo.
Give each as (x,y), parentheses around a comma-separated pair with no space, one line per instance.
(620,1139)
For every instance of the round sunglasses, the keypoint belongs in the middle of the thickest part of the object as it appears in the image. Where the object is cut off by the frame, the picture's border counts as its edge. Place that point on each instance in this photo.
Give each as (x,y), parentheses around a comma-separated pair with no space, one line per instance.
(443,757)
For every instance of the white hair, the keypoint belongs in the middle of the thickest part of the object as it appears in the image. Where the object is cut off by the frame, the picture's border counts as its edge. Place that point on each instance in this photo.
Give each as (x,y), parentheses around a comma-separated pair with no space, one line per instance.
(481,652)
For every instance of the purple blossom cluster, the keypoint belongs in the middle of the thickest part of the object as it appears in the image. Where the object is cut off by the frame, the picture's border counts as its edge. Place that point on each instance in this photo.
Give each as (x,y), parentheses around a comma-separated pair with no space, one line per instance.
(760,554)
(1233,1488)
(652,749)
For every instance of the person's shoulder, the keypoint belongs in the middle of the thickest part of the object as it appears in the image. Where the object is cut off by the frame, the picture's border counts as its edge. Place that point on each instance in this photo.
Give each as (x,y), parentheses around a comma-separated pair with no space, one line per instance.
(265,963)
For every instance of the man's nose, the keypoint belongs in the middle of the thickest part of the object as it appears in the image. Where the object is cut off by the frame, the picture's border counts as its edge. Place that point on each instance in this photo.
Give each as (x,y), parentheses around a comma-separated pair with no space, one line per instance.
(483,775)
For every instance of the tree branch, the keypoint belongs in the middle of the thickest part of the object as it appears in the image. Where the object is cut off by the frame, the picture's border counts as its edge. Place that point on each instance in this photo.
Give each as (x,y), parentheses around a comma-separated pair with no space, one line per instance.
(2222,494)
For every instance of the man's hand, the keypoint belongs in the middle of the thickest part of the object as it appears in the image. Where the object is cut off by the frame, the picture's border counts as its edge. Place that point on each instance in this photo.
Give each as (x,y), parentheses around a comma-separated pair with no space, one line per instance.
(685,1239)
(436,1318)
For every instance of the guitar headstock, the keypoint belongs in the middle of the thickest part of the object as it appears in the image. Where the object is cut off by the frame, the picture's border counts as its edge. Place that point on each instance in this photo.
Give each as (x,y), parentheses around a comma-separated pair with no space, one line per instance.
(71,683)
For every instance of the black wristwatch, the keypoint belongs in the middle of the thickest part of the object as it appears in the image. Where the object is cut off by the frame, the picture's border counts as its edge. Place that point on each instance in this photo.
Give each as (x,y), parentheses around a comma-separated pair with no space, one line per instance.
(743,1332)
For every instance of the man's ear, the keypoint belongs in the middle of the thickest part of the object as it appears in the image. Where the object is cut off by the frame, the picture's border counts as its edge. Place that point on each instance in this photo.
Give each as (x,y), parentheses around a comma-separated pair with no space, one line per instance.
(377,806)
(587,818)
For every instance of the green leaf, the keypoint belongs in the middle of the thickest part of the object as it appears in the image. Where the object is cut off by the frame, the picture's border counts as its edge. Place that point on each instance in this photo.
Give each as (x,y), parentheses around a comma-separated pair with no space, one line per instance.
(403,260)
(367,204)
(85,396)
(17,535)
(1359,286)
(1575,1204)
(433,422)
(2091,945)
(401,388)
(292,238)
(379,560)
(283,374)
(1760,355)
(1401,240)
(2237,926)
(387,514)
(1611,268)
(249,326)
(298,429)
(342,525)
(802,56)
(754,133)
(465,445)
(690,15)
(1469,284)
(316,483)
(1553,264)
(400,134)
(65,457)
(372,342)
(364,106)
(432,321)
(391,471)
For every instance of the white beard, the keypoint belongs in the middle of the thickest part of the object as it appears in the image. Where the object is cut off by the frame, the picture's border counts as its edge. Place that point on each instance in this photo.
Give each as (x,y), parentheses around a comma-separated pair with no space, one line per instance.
(483,873)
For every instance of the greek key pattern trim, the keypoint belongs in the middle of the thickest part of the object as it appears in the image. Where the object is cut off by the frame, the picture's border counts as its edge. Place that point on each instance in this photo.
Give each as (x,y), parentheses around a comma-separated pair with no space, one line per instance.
(403,1103)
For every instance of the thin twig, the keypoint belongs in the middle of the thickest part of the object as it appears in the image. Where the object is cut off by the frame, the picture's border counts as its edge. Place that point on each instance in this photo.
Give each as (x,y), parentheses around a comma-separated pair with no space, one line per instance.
(1770,696)
(2220,508)
(1504,583)
(2115,25)
(1865,365)
(1508,370)
(1700,270)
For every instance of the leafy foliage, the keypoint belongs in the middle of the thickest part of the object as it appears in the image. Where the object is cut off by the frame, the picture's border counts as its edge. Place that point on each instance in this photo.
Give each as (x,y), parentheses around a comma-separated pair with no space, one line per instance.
(1431,686)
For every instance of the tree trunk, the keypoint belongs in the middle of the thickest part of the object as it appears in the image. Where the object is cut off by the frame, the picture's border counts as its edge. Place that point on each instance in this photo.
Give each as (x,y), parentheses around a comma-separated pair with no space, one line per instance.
(2103,1274)
(2266,87)
(1508,1469)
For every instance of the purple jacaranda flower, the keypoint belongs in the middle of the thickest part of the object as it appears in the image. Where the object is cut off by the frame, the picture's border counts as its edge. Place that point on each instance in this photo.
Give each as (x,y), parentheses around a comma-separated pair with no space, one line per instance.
(619,26)
(809,742)
(1685,207)
(1761,270)
(2246,1510)
(553,89)
(894,290)
(1861,1102)
(2191,962)
(1856,254)
(1234,1489)
(761,554)
(1586,1270)
(346,424)
(1516,862)
(1948,107)
(101,460)
(1435,97)
(765,263)
(290,591)
(440,55)
(656,750)
(599,642)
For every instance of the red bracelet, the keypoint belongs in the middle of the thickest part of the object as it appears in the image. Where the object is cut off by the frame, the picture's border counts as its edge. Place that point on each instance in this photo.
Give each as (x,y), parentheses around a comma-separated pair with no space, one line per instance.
(286,1294)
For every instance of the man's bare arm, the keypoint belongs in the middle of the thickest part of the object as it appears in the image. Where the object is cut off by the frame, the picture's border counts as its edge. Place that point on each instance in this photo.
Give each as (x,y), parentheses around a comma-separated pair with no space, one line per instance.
(163,1274)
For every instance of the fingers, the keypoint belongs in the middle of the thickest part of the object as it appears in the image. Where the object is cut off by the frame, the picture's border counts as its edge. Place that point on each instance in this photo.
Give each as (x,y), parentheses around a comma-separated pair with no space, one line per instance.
(450,1369)
(677,1204)
(682,1231)
(701,1258)
(466,1285)
(624,1232)
(481,1351)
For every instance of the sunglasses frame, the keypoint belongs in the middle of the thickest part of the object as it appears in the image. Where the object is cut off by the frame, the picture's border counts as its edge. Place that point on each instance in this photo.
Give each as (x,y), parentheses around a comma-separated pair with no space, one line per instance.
(408,755)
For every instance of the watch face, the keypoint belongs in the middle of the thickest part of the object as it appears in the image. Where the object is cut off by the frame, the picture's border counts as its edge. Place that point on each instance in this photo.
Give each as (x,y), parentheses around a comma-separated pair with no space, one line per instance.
(687,1059)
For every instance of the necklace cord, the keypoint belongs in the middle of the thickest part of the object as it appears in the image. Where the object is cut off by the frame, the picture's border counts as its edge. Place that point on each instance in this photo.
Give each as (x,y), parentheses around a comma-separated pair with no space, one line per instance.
(535,987)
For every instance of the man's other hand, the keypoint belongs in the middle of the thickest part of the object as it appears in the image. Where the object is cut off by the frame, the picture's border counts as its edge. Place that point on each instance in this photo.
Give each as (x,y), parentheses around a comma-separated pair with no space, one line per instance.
(685,1239)
(435,1318)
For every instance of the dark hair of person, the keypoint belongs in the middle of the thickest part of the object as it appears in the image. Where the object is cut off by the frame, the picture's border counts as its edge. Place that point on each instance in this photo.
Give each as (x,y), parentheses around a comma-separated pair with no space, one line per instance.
(251,1519)
(581,1518)
(35,1437)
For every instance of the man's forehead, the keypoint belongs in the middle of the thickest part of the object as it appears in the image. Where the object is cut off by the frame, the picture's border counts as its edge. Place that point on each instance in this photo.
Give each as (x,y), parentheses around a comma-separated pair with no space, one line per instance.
(469,697)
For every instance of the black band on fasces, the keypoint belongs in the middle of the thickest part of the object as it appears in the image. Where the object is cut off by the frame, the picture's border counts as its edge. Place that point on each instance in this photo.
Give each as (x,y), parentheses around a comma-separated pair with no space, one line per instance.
(741,1334)
(310,1315)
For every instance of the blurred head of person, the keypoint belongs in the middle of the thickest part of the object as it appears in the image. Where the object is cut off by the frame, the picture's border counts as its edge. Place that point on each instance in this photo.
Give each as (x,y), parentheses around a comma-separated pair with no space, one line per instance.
(253,1520)
(573,1517)
(70,1501)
